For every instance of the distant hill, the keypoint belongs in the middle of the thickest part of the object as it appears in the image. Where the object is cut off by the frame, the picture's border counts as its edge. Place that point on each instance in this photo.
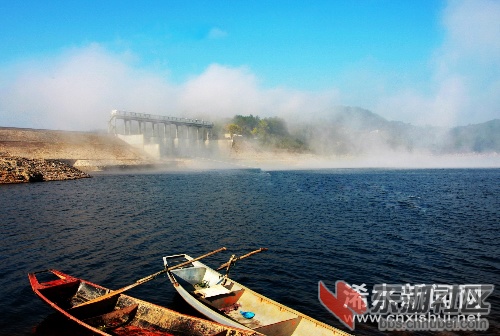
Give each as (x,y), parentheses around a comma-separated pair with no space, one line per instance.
(352,130)
(480,138)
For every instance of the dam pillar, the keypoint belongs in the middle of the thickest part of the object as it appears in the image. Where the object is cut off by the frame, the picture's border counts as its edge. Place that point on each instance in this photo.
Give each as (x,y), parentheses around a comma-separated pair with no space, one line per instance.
(176,136)
(168,140)
(206,138)
(187,142)
(199,139)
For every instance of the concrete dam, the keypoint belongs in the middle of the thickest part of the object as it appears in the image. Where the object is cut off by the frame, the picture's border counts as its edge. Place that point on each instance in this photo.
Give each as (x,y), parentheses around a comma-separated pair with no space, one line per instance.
(163,136)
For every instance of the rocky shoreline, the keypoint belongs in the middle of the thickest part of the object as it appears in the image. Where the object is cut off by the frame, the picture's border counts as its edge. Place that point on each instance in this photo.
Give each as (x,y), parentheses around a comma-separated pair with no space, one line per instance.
(15,169)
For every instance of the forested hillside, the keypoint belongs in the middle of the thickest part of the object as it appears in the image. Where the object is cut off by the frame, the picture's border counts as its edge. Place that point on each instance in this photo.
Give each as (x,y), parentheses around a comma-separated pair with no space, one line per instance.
(351,131)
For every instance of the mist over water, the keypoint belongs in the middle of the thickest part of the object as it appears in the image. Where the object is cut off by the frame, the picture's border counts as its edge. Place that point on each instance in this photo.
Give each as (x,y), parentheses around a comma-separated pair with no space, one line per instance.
(359,225)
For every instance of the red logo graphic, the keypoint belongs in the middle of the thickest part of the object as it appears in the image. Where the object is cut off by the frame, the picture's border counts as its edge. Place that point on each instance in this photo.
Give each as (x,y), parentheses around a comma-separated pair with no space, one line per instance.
(345,304)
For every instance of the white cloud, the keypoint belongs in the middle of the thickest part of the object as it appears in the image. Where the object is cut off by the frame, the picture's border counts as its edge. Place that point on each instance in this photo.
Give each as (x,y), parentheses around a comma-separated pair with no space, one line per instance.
(471,52)
(466,72)
(442,108)
(78,89)
(473,28)
(221,91)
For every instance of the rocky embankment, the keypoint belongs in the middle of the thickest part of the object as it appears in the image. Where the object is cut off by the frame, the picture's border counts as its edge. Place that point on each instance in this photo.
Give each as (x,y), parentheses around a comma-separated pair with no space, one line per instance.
(86,151)
(15,169)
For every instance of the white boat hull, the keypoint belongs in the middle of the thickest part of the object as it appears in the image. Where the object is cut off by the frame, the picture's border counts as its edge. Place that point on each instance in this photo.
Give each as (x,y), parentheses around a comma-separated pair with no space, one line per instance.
(221,300)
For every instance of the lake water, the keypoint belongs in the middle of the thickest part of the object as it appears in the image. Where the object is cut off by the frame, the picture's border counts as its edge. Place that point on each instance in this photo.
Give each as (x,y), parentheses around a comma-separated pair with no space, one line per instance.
(359,225)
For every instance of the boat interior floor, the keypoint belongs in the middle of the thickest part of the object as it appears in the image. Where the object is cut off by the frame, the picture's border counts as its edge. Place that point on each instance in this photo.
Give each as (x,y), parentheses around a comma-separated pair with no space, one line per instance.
(232,303)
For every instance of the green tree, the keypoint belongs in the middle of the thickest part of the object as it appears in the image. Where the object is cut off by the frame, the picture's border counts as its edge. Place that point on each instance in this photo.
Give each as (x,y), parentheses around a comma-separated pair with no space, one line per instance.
(247,123)
(233,129)
(261,132)
(277,126)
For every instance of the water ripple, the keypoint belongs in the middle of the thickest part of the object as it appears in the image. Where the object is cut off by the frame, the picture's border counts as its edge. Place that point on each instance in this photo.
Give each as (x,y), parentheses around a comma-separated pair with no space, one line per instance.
(361,226)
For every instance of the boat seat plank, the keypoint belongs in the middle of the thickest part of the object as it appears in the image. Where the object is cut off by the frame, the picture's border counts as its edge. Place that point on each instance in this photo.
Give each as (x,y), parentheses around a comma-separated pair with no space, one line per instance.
(227,300)
(212,291)
(114,318)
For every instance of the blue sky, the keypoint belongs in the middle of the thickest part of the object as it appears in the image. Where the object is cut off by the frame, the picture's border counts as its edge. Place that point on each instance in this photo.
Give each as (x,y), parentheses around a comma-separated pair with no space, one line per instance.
(67,64)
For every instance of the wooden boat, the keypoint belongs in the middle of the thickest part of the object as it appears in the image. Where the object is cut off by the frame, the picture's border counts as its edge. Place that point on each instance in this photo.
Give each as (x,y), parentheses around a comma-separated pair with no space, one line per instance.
(225,301)
(120,314)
